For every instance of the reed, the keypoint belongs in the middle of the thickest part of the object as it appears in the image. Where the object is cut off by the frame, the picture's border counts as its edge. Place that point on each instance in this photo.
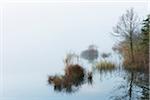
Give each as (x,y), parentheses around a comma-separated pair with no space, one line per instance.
(73,77)
(105,65)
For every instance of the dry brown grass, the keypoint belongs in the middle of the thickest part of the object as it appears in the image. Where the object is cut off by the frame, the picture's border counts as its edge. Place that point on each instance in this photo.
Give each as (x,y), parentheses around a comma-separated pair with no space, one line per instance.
(74,76)
(105,65)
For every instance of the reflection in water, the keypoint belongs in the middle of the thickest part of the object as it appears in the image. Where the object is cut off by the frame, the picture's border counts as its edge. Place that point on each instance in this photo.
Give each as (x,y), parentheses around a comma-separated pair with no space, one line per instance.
(135,87)
(75,75)
(70,82)
(105,67)
(90,78)
(135,84)
(140,80)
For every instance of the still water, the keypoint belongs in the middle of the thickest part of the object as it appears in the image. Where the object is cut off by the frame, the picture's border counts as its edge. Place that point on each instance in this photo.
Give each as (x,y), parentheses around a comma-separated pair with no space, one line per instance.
(36,37)
(105,85)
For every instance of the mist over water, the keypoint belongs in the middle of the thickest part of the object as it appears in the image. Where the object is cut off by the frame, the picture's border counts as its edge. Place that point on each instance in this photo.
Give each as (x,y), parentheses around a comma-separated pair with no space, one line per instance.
(38,36)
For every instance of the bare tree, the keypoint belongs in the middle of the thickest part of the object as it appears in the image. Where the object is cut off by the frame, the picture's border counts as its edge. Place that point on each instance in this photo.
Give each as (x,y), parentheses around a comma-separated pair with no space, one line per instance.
(127,28)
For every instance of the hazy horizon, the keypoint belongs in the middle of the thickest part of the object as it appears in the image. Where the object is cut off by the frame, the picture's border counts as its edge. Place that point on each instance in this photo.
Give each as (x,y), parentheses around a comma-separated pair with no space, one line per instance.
(37,37)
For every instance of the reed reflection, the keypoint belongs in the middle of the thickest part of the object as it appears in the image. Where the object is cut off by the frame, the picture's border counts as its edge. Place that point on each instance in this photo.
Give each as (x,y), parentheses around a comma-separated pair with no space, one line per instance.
(75,76)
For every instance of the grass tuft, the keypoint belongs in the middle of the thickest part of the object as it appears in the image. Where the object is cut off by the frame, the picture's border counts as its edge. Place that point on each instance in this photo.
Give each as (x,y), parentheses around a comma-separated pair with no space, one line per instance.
(105,65)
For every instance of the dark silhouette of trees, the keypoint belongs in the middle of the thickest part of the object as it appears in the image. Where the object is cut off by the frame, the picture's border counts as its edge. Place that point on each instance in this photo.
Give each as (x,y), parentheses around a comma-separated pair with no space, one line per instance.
(105,55)
(90,54)
(145,39)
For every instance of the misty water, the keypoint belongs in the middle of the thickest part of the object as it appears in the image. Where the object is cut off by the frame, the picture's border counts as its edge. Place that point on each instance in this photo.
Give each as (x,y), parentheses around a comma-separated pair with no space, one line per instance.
(105,84)
(36,38)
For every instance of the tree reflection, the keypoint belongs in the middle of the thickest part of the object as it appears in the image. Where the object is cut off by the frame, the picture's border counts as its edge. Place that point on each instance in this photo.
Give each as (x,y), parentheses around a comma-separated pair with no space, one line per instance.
(90,77)
(135,87)
(131,85)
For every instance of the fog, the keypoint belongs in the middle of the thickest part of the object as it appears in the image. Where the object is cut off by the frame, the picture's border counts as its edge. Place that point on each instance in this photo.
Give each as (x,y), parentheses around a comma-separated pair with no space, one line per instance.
(36,37)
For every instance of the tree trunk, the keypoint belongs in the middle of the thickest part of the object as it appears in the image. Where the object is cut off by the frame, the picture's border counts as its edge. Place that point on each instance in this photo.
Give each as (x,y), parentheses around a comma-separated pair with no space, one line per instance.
(131,47)
(131,42)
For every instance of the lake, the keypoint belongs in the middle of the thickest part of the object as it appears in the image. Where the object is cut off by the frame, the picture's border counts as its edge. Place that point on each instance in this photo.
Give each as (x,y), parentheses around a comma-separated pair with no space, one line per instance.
(35,37)
(105,85)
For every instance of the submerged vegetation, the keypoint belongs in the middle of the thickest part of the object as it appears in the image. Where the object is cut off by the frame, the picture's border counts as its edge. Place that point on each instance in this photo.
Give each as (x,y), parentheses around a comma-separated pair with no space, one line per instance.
(105,65)
(134,49)
(74,77)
